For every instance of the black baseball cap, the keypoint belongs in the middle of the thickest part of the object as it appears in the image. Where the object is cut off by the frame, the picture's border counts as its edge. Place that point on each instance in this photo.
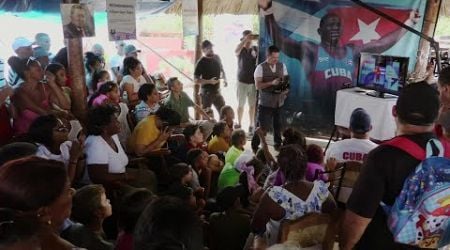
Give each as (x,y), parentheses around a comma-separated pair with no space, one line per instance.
(360,121)
(418,104)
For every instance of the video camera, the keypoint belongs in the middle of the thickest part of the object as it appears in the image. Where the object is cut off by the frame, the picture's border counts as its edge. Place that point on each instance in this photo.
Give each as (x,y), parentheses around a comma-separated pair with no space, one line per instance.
(284,85)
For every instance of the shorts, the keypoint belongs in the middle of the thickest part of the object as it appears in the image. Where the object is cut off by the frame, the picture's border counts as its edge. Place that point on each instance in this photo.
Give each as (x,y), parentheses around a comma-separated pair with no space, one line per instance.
(210,98)
(245,90)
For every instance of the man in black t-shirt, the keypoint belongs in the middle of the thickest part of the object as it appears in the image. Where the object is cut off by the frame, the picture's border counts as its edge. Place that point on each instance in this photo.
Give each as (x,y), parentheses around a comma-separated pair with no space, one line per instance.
(386,169)
(246,54)
(207,74)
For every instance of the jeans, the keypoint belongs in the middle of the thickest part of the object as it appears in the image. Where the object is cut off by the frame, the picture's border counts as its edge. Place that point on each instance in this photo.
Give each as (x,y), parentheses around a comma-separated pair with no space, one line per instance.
(268,118)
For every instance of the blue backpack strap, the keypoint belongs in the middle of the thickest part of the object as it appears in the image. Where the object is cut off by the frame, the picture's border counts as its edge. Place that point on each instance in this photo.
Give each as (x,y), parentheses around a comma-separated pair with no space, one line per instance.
(407,146)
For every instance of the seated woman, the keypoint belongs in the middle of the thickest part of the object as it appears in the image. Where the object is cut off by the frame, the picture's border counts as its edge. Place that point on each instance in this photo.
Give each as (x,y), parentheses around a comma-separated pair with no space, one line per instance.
(40,188)
(51,136)
(194,137)
(149,103)
(90,207)
(220,141)
(167,223)
(152,133)
(132,80)
(130,209)
(291,201)
(59,72)
(229,176)
(109,167)
(108,94)
(34,98)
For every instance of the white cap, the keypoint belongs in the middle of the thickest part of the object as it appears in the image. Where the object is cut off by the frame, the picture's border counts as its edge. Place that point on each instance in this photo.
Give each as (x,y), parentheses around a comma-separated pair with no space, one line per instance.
(20,42)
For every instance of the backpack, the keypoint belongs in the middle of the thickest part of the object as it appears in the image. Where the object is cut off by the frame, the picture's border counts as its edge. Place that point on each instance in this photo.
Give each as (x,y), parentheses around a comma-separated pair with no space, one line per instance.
(421,213)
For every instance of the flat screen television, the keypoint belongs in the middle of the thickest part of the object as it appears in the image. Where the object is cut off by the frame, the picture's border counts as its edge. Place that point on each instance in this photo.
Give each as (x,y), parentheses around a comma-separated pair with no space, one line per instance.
(382,73)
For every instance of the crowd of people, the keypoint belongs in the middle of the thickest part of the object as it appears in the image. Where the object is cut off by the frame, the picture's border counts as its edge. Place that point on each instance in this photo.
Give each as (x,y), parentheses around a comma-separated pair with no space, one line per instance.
(140,173)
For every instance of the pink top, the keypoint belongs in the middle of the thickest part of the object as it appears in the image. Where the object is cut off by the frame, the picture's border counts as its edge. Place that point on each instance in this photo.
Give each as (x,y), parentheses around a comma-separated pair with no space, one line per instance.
(99,100)
(124,241)
(25,118)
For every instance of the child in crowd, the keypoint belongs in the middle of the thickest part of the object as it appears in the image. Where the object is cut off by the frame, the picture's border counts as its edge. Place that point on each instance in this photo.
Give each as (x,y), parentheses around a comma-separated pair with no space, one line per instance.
(90,207)
(99,78)
(59,72)
(130,209)
(201,174)
(315,162)
(220,141)
(107,93)
(229,176)
(194,137)
(227,115)
(229,229)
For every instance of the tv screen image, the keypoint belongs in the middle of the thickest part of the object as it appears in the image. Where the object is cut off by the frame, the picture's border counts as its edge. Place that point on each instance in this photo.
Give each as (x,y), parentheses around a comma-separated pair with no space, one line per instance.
(385,74)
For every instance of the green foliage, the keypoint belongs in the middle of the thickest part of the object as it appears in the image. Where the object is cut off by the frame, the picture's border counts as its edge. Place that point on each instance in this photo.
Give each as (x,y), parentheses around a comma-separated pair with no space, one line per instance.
(443,26)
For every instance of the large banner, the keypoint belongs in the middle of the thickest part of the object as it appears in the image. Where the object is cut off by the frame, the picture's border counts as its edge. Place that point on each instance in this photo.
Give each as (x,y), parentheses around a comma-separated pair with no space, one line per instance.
(320,42)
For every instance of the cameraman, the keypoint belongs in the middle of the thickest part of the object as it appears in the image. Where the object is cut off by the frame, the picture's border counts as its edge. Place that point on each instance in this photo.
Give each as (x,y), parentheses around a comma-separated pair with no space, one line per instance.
(271,80)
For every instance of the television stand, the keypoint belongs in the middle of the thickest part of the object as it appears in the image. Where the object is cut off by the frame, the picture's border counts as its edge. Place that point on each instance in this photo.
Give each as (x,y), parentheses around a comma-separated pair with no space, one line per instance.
(379,94)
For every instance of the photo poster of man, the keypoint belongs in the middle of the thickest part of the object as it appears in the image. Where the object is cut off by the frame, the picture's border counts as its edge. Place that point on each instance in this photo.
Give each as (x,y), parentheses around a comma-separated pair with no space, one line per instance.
(78,20)
(320,43)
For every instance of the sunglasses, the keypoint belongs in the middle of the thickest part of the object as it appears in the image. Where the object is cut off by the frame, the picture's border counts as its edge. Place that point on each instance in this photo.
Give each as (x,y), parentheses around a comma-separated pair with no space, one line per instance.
(30,61)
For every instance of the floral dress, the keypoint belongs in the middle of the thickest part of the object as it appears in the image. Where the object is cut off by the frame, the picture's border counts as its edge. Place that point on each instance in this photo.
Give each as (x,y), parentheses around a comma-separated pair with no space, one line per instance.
(294,207)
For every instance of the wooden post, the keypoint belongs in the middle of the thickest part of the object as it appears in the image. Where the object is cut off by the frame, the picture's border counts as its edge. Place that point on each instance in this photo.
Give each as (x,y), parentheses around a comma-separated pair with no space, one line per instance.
(198,54)
(429,24)
(77,75)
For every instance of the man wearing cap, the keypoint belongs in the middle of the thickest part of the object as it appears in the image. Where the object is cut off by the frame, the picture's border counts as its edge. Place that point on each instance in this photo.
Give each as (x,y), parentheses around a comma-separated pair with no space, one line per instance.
(385,171)
(207,74)
(246,89)
(359,145)
(131,51)
(116,61)
(43,40)
(77,27)
(22,47)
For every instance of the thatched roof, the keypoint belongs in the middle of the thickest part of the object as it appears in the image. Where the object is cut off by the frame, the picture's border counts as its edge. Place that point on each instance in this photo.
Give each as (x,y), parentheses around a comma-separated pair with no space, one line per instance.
(216,7)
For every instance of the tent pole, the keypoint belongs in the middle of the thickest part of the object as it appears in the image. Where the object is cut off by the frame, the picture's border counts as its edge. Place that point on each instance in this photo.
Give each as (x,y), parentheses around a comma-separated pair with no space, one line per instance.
(77,76)
(198,53)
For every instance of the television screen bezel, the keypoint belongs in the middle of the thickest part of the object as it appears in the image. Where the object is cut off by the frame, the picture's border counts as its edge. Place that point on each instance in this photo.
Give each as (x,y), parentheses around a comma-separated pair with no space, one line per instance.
(381,90)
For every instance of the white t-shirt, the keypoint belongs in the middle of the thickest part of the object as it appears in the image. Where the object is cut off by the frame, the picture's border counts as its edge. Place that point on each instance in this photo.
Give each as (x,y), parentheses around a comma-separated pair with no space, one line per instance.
(64,157)
(125,131)
(259,70)
(99,152)
(130,80)
(350,150)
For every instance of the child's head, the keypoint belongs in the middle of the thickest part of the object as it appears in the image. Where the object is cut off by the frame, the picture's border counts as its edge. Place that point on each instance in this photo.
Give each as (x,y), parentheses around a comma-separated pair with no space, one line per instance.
(229,198)
(184,193)
(226,113)
(59,71)
(181,173)
(99,78)
(293,136)
(193,135)
(111,90)
(314,153)
(238,138)
(197,158)
(131,208)
(221,129)
(90,205)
